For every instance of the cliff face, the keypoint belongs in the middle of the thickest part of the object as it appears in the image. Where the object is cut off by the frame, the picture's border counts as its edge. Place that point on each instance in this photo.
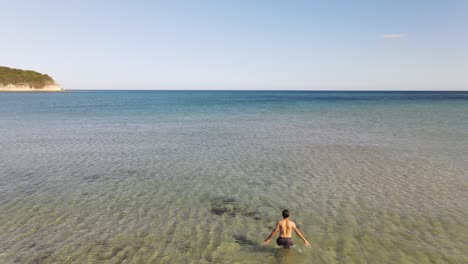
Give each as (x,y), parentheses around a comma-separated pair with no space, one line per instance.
(16,80)
(27,88)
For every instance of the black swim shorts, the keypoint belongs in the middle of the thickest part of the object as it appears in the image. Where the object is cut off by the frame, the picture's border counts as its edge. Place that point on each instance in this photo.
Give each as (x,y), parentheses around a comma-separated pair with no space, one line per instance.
(286,242)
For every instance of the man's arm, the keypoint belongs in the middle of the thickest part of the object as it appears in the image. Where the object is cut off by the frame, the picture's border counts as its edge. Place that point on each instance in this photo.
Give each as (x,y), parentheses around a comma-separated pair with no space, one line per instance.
(272,233)
(301,236)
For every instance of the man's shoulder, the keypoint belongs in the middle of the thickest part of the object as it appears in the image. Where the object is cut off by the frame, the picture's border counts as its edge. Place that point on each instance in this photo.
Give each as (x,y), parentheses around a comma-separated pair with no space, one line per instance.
(284,221)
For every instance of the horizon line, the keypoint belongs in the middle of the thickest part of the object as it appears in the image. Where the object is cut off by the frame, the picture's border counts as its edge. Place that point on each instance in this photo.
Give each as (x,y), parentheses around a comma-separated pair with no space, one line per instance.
(278,90)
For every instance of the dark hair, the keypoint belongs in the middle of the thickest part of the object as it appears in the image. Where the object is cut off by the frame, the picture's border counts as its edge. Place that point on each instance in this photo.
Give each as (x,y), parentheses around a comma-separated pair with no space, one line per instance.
(285,213)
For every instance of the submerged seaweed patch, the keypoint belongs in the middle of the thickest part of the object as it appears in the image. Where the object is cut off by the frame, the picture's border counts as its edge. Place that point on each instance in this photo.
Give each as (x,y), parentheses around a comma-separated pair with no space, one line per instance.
(225,205)
(243,240)
(253,215)
(230,206)
(92,178)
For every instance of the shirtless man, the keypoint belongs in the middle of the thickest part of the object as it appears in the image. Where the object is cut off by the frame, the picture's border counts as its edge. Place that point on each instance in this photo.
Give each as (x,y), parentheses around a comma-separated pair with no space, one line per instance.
(286,227)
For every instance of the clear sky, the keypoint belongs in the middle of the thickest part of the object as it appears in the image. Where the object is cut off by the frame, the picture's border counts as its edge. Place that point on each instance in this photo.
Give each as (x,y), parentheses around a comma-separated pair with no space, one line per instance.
(243,44)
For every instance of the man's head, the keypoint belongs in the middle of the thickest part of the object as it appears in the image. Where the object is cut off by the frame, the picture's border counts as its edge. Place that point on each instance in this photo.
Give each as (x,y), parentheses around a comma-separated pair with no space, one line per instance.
(285,213)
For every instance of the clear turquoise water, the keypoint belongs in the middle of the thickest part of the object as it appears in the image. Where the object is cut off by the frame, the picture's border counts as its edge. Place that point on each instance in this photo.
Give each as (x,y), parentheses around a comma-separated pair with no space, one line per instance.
(201,177)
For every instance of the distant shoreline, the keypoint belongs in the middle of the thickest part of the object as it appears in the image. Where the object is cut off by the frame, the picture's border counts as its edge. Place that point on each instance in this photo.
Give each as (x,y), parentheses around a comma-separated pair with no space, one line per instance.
(17,80)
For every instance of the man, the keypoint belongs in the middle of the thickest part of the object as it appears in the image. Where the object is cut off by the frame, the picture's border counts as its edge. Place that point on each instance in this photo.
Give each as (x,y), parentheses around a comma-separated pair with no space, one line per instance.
(286,227)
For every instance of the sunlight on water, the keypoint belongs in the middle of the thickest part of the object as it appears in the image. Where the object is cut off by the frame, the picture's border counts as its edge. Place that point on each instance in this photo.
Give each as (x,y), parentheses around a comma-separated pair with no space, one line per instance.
(201,177)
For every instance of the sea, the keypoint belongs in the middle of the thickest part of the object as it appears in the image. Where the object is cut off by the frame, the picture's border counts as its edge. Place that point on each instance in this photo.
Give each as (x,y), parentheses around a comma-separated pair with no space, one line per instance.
(202,176)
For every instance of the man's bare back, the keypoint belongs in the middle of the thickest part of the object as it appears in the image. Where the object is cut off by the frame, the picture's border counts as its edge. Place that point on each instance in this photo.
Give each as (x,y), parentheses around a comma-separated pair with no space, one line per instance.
(286,226)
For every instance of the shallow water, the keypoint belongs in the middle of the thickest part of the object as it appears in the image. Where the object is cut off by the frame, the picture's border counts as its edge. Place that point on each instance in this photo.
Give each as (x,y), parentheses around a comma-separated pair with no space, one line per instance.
(201,177)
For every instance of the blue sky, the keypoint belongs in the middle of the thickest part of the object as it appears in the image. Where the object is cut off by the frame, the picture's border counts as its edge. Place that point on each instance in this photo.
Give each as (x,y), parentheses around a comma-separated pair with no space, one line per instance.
(240,44)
